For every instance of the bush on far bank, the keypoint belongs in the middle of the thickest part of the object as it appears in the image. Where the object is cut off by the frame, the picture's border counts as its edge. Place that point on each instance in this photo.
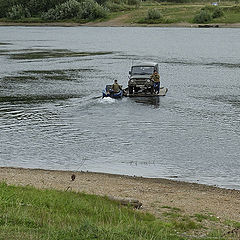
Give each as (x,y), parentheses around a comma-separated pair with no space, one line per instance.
(203,16)
(88,9)
(153,14)
(52,9)
(69,9)
(18,12)
(63,9)
(208,13)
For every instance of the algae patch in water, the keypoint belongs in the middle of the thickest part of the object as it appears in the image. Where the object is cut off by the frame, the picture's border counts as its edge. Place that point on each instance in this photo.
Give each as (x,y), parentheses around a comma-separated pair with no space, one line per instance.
(35,86)
(18,78)
(37,98)
(63,75)
(53,53)
(4,43)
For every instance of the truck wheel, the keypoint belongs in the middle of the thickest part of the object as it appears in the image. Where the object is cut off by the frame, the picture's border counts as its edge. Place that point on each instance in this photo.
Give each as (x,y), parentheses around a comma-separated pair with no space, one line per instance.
(152,90)
(130,89)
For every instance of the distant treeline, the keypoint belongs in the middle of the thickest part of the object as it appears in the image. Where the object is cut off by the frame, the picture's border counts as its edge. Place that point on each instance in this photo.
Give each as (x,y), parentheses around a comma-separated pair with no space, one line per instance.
(62,9)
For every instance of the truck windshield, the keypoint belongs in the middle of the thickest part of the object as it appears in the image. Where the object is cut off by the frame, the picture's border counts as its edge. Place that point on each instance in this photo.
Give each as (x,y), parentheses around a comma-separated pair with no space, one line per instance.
(142,70)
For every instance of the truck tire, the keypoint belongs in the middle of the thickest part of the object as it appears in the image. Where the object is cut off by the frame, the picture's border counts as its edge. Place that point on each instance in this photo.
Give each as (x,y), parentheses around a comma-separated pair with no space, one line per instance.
(152,90)
(130,89)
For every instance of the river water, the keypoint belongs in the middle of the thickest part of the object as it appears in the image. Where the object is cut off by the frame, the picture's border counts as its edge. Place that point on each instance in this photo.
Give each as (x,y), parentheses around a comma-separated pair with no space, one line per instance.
(52,115)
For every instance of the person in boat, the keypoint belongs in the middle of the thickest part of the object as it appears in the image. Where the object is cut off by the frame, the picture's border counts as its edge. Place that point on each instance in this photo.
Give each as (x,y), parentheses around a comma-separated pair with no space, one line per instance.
(156,78)
(116,87)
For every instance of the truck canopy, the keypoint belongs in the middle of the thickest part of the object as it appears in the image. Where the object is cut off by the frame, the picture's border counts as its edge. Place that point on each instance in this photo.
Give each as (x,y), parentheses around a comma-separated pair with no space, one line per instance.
(143,68)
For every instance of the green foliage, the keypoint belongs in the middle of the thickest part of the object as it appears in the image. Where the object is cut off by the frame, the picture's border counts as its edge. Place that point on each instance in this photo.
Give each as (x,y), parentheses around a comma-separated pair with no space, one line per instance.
(133,2)
(92,10)
(203,17)
(37,7)
(101,2)
(209,8)
(67,10)
(175,1)
(208,13)
(234,9)
(214,10)
(4,6)
(28,213)
(18,12)
(218,12)
(88,9)
(116,6)
(154,14)
(209,217)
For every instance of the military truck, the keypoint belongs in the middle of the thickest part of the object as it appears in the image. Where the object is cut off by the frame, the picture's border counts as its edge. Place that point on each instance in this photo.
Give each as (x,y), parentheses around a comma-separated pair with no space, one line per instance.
(139,78)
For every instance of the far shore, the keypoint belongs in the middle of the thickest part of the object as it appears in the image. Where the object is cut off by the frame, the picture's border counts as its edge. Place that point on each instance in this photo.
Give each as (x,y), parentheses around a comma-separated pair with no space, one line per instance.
(155,194)
(116,23)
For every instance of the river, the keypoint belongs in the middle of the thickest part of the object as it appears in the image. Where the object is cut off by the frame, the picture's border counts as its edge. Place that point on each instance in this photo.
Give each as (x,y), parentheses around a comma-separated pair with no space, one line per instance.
(52,115)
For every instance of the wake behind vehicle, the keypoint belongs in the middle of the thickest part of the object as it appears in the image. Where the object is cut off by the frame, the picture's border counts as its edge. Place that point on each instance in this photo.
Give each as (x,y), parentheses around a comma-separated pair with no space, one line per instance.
(140,82)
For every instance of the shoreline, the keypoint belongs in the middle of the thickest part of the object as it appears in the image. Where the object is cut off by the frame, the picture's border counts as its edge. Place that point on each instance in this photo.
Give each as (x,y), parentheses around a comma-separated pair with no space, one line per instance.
(157,195)
(113,23)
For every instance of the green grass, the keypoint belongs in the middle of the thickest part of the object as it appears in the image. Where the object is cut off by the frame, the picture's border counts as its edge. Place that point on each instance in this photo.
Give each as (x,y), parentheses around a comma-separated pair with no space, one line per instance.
(172,13)
(28,213)
(183,13)
(209,217)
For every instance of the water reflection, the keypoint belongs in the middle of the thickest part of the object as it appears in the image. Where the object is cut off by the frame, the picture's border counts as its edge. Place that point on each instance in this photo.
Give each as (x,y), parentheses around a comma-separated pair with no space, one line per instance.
(151,101)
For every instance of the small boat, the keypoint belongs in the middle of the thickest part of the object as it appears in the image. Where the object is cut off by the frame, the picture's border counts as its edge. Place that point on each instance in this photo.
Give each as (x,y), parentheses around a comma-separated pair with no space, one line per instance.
(108,92)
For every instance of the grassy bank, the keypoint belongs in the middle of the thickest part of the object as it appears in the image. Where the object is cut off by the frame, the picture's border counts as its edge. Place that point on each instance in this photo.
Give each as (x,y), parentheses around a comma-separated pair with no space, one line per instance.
(184,12)
(29,213)
(122,12)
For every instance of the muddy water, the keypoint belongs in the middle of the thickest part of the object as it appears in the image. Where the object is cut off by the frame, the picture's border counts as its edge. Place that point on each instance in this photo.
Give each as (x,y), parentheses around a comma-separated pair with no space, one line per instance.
(52,115)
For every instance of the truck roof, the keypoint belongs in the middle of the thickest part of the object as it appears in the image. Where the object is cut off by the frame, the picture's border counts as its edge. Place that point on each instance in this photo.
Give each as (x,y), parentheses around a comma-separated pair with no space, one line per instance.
(145,64)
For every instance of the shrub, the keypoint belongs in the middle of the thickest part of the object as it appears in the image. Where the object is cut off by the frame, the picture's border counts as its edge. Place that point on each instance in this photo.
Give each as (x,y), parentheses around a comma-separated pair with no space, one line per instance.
(133,2)
(114,7)
(154,14)
(101,2)
(67,10)
(203,17)
(37,7)
(5,5)
(218,12)
(92,10)
(18,12)
(209,8)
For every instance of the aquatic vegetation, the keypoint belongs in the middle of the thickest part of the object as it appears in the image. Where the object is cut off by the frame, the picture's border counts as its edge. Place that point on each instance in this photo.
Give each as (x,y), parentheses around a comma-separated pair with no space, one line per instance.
(42,85)
(37,98)
(5,43)
(52,53)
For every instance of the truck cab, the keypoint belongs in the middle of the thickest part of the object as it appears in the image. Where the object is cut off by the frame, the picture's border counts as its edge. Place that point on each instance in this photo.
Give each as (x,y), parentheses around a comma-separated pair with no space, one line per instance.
(140,77)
